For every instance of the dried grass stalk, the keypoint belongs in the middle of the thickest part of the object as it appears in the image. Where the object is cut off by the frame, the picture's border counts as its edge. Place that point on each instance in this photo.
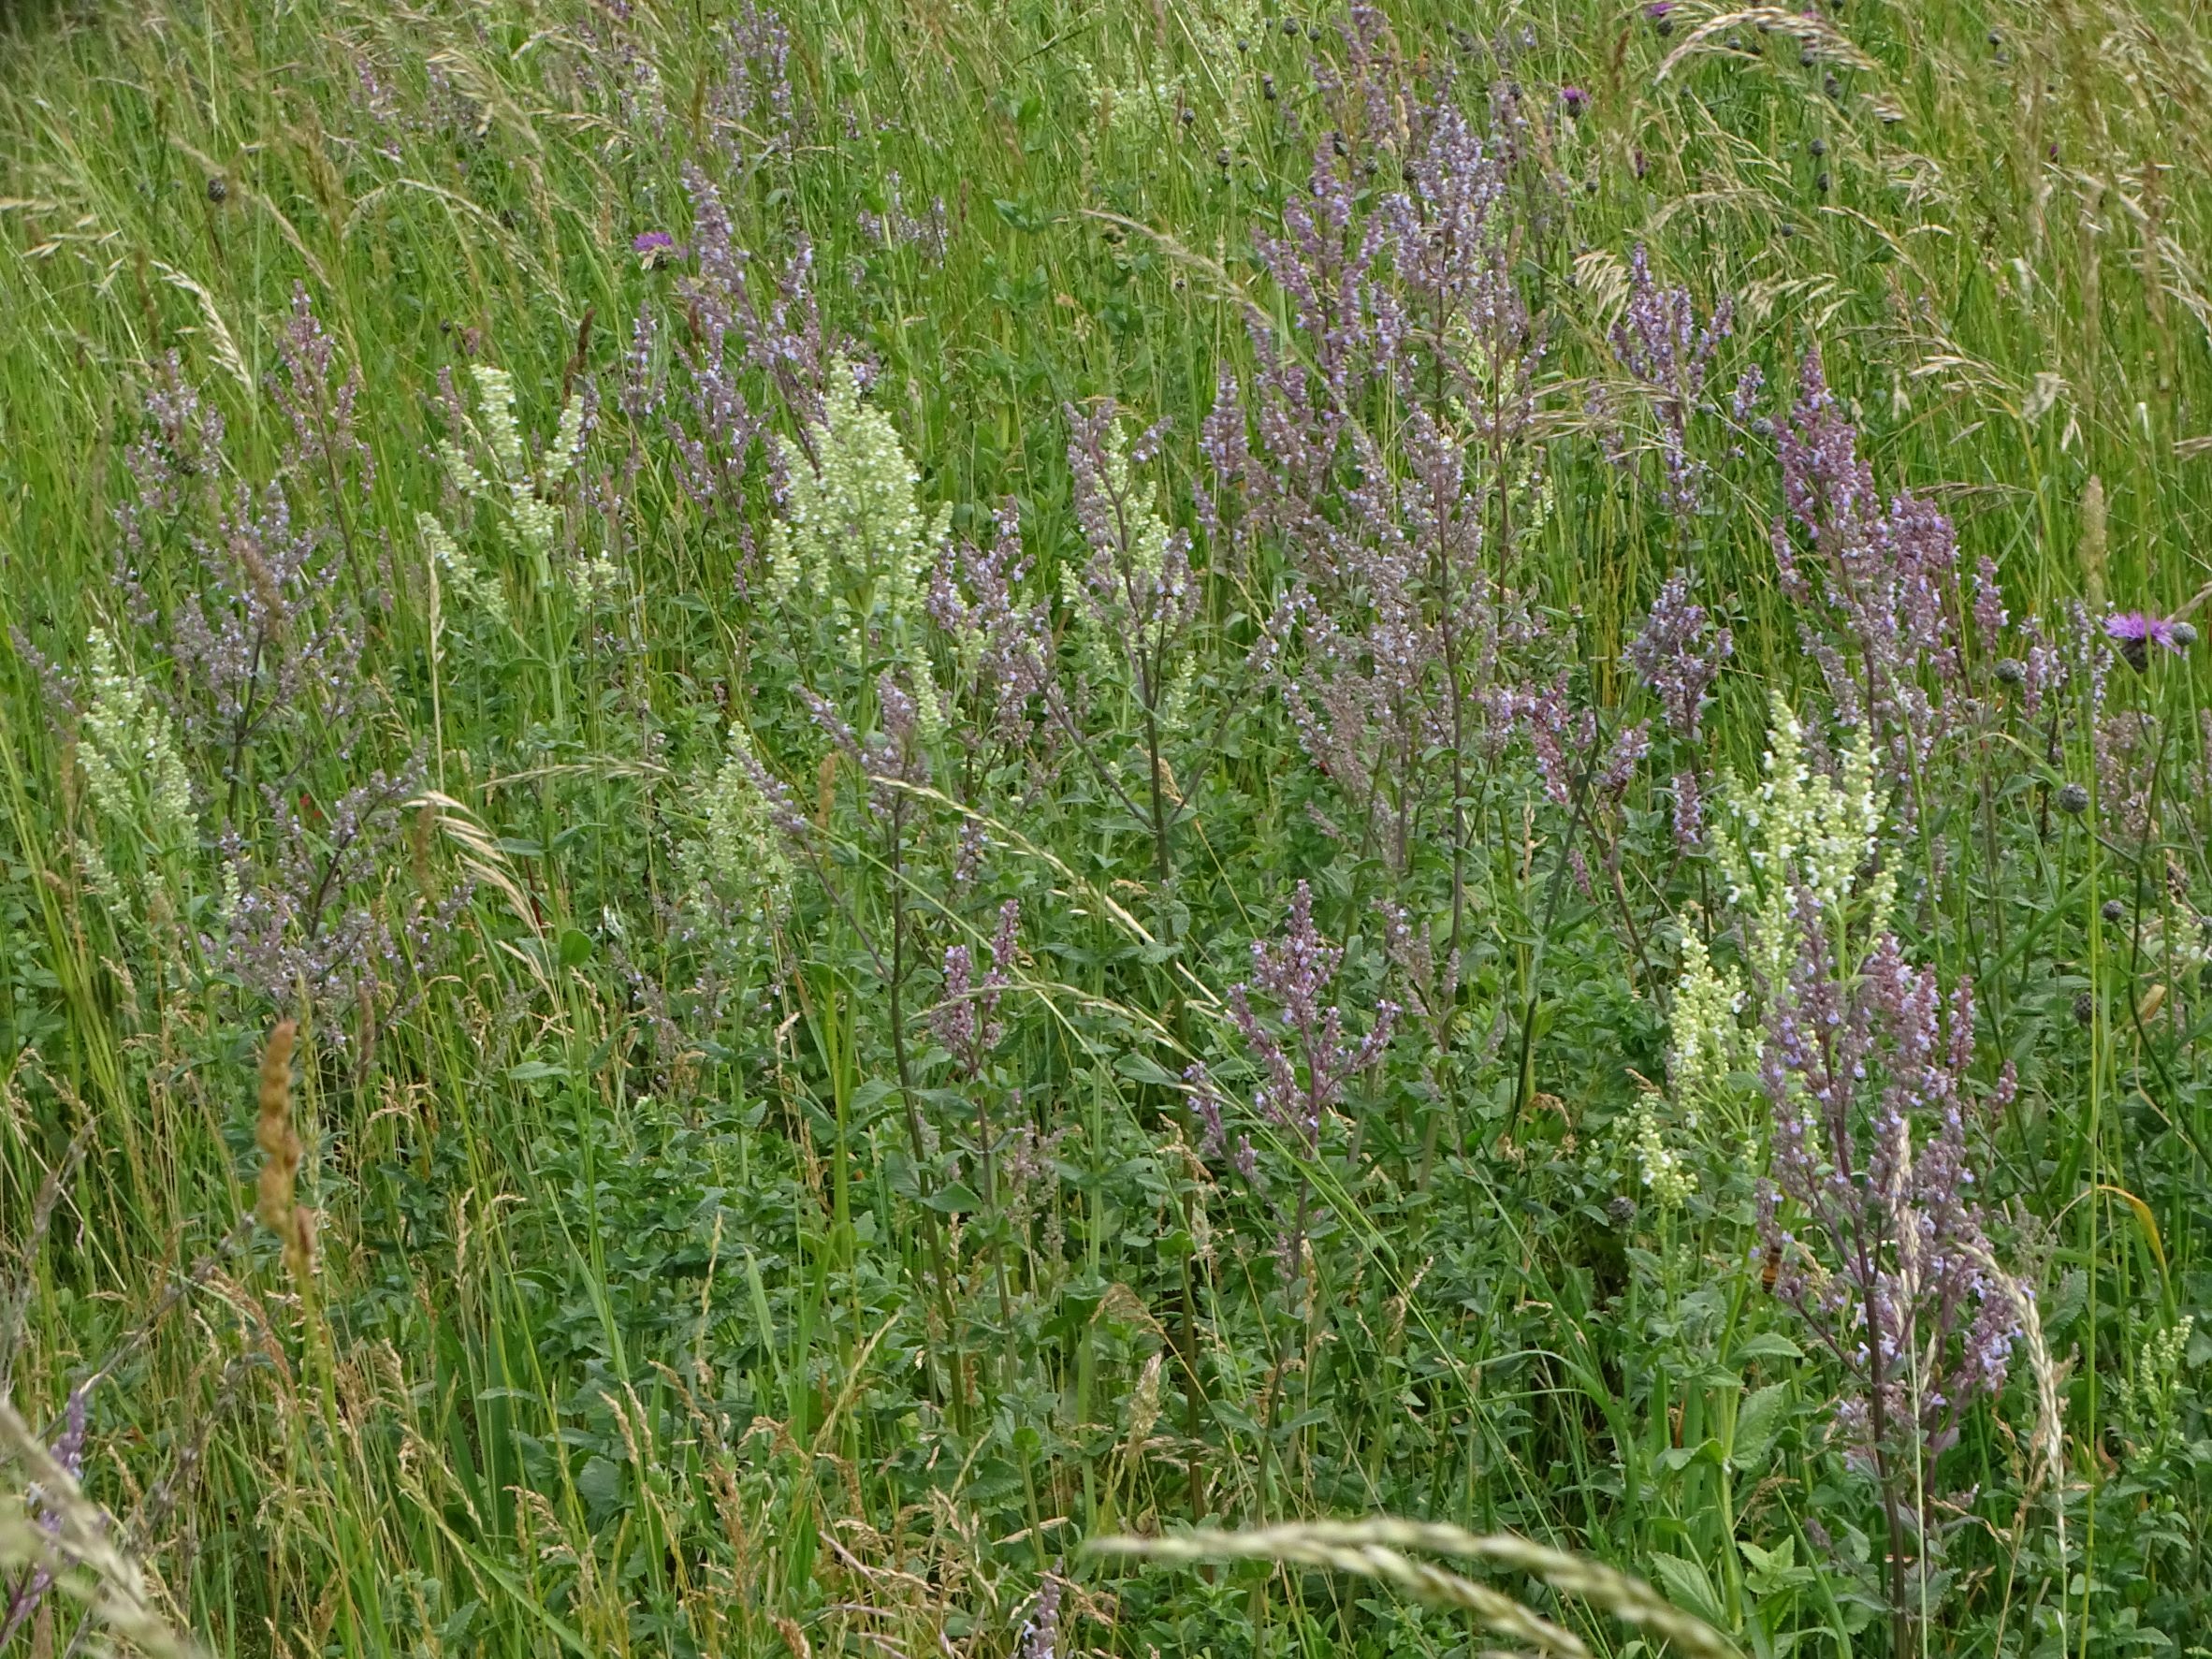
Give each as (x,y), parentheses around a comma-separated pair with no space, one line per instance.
(73,1545)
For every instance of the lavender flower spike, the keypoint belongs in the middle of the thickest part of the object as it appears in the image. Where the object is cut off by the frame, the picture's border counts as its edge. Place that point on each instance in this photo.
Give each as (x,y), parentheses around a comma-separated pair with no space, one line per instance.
(1306,1055)
(69,1452)
(1678,656)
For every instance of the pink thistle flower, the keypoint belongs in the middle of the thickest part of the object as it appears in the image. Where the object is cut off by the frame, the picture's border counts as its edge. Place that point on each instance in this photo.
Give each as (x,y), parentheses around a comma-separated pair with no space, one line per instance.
(2136,632)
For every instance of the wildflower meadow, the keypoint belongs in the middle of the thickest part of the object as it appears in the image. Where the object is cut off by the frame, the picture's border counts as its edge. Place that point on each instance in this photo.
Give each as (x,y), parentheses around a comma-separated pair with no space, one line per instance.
(1006,829)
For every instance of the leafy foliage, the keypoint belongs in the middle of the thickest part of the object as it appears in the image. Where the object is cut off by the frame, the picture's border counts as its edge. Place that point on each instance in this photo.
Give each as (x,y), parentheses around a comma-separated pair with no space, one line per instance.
(911,783)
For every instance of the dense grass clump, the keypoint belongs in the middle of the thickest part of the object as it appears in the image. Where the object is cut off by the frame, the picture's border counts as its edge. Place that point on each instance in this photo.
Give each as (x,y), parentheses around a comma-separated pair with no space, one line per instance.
(800,803)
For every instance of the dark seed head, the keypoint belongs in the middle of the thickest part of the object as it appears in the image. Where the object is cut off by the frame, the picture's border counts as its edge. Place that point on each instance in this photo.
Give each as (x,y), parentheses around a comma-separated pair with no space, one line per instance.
(1621,1211)
(2011,671)
(2073,800)
(2085,1008)
(2114,911)
(1819,147)
(1822,183)
(218,188)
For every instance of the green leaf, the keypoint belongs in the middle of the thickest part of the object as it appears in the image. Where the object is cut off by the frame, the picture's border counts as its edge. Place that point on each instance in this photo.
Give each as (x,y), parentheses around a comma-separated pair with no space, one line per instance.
(575,947)
(1770,1345)
(601,1483)
(1758,1420)
(955,1198)
(1773,1570)
(1140,1068)
(1688,1587)
(1681,1457)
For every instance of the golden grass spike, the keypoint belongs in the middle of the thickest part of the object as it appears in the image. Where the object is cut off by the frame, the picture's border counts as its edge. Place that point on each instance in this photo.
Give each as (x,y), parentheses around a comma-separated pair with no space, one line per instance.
(299,1243)
(274,1134)
(2092,543)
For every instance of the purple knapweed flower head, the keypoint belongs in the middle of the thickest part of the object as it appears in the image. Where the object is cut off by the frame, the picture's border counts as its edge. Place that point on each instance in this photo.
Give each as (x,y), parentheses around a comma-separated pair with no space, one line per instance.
(2136,632)
(655,247)
(1574,99)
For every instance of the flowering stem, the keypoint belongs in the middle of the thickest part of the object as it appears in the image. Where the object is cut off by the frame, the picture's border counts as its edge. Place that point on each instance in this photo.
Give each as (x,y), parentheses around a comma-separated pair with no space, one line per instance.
(1524,1080)
(896,988)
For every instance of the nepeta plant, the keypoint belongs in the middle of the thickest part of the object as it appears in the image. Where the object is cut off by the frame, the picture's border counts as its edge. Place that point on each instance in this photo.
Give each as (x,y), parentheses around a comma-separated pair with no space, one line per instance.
(488,462)
(1866,1068)
(1668,355)
(1880,588)
(311,909)
(1397,476)
(967,1020)
(1306,1057)
(746,345)
(854,546)
(755,115)
(1798,831)
(324,443)
(966,1023)
(133,771)
(1136,599)
(739,873)
(68,1452)
(264,647)
(1871,1209)
(1678,655)
(1002,649)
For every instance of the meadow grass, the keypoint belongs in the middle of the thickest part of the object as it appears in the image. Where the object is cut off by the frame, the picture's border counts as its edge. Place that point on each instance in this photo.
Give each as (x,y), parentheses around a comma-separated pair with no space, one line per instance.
(661,1245)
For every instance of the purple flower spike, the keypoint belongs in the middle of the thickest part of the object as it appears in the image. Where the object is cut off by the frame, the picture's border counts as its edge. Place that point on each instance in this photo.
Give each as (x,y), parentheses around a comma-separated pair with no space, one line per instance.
(2137,631)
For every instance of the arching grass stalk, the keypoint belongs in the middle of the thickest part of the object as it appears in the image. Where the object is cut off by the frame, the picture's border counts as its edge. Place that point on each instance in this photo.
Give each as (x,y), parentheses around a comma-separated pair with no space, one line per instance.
(1376,1550)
